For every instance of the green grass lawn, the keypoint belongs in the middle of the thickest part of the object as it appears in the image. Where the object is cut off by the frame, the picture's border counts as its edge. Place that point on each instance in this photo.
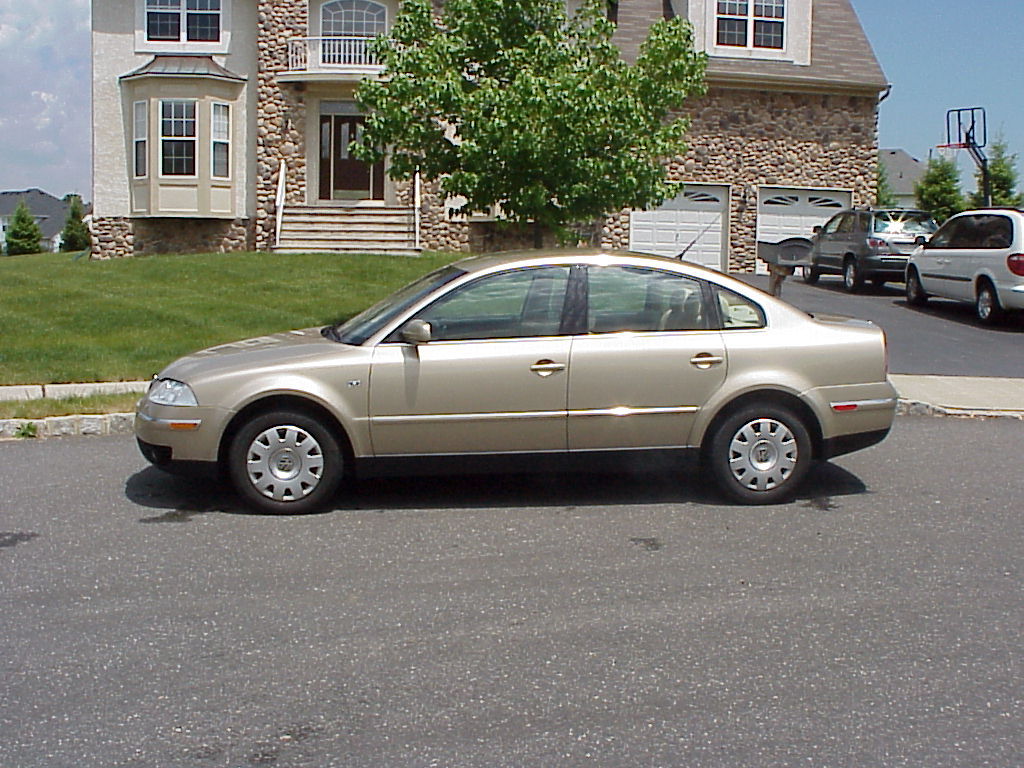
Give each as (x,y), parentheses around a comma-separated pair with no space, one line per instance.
(63,320)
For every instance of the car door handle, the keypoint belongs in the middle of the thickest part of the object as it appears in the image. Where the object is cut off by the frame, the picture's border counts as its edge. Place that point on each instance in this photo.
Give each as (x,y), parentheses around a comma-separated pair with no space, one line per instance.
(547,367)
(705,360)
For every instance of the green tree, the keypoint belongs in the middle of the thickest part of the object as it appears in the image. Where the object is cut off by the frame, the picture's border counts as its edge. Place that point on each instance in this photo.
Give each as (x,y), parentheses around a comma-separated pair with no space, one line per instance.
(23,233)
(884,196)
(514,103)
(938,191)
(75,236)
(1002,171)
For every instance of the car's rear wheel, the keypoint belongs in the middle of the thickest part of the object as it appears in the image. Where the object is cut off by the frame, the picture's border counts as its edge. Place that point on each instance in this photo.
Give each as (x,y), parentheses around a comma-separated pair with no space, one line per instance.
(916,296)
(285,462)
(760,454)
(811,275)
(853,280)
(878,282)
(986,304)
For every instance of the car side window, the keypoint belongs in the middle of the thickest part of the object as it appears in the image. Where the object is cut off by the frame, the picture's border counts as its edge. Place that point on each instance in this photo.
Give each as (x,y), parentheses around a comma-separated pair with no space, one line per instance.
(640,299)
(994,232)
(738,311)
(846,225)
(523,302)
(943,236)
(832,225)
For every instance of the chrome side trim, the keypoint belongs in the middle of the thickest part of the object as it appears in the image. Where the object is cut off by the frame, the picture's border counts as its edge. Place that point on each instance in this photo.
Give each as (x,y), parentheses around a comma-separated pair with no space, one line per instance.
(864,405)
(623,410)
(441,418)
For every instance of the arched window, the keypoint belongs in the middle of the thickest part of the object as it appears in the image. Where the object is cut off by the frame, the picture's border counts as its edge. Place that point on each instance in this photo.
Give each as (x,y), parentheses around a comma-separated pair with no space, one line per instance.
(353,18)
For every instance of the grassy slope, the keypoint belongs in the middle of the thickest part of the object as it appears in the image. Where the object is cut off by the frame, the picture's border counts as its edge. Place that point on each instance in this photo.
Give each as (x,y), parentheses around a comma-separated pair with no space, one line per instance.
(63,320)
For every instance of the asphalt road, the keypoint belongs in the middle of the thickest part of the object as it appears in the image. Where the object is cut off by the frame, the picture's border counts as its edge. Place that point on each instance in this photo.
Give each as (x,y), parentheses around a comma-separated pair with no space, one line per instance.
(561,620)
(941,338)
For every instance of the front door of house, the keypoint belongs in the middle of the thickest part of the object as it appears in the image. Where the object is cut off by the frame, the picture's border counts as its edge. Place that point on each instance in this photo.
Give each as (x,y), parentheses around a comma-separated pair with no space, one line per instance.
(342,175)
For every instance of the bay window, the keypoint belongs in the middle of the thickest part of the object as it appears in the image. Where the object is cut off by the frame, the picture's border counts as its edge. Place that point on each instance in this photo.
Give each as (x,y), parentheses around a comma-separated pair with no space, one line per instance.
(220,141)
(178,137)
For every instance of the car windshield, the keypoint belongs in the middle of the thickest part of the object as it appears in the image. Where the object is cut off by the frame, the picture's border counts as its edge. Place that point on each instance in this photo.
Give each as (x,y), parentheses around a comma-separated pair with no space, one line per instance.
(904,223)
(358,329)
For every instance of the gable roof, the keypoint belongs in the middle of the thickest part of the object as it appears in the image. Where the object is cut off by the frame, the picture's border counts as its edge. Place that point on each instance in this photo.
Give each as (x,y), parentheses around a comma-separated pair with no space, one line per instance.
(902,170)
(841,56)
(51,212)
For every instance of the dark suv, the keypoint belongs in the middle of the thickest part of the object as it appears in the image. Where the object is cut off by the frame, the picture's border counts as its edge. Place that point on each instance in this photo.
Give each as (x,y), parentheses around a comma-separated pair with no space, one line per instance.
(865,244)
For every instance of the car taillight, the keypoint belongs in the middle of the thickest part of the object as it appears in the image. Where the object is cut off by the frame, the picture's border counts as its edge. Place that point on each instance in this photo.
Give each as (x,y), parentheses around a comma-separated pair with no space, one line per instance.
(878,243)
(1015,262)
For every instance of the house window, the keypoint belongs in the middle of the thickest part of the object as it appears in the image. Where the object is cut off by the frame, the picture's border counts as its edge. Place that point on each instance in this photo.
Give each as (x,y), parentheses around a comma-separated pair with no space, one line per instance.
(751,23)
(140,136)
(178,138)
(221,141)
(353,18)
(197,21)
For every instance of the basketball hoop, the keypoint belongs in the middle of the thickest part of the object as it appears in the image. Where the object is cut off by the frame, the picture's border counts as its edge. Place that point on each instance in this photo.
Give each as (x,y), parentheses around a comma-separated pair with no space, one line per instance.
(948,151)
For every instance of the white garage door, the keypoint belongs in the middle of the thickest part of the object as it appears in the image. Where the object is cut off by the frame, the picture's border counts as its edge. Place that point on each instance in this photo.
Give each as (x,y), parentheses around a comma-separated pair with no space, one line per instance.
(697,222)
(788,212)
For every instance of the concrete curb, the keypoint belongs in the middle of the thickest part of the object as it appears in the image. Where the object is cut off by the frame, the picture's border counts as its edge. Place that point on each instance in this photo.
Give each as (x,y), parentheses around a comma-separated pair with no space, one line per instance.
(123,423)
(58,391)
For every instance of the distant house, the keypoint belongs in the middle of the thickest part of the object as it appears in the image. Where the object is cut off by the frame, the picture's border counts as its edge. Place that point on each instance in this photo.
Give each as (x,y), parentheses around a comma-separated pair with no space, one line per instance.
(226,125)
(50,213)
(903,172)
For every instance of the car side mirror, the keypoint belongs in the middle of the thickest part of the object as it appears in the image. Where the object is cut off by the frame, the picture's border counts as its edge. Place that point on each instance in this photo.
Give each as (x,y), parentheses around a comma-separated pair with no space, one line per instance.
(416,332)
(817,229)
(920,240)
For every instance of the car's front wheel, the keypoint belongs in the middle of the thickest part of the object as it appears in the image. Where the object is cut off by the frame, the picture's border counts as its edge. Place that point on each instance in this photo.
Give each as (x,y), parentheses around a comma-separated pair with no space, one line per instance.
(811,275)
(916,297)
(986,304)
(285,462)
(760,454)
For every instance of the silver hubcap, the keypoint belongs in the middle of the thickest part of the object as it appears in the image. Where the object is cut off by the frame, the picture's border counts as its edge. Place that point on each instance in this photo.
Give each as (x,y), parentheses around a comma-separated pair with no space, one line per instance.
(285,463)
(762,454)
(850,274)
(984,305)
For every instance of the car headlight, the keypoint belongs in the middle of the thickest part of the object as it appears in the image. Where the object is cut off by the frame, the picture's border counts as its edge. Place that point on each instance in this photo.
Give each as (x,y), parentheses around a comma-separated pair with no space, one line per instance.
(171,392)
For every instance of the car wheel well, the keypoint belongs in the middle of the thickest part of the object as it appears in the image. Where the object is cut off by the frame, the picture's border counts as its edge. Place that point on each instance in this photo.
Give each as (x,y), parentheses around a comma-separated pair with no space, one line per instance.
(773,397)
(284,403)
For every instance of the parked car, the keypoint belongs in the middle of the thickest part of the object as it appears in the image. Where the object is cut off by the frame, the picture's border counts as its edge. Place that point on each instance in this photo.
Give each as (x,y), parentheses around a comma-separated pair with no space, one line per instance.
(865,245)
(519,360)
(977,257)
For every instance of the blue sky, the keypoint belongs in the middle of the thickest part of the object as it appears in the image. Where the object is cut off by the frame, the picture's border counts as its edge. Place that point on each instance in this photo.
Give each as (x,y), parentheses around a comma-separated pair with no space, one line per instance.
(939,54)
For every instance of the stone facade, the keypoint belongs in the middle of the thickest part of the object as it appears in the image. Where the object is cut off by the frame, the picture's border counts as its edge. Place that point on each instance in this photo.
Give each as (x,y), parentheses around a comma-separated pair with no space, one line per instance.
(746,139)
(119,237)
(280,114)
(113,237)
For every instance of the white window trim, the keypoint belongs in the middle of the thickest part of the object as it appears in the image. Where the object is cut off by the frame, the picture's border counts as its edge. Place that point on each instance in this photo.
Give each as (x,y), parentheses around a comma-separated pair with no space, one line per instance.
(193,139)
(320,15)
(142,45)
(143,139)
(703,14)
(214,141)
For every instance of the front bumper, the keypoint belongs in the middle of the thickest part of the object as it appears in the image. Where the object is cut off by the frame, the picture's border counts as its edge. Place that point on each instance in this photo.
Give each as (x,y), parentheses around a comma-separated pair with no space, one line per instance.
(176,434)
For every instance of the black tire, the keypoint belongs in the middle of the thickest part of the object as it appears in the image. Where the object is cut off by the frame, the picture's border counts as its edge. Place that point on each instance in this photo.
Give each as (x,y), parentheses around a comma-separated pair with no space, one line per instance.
(811,275)
(285,462)
(916,297)
(853,279)
(760,454)
(878,282)
(986,304)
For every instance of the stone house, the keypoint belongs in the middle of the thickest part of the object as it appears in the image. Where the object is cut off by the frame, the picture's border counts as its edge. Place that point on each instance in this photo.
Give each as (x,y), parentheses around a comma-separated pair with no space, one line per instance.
(225,124)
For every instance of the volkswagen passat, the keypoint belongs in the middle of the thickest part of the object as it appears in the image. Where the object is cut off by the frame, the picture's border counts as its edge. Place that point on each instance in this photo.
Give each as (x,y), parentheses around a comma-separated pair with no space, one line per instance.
(506,360)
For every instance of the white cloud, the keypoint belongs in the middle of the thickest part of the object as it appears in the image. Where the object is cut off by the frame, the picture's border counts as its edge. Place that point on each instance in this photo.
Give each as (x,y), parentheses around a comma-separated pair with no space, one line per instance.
(44,54)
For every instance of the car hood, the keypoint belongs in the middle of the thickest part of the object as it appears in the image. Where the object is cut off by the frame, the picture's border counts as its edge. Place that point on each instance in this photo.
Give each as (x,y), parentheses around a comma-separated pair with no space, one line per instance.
(279,349)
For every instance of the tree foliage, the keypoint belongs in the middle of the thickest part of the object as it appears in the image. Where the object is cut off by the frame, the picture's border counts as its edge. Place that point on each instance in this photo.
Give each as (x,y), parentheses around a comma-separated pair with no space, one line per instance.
(884,195)
(515,103)
(938,191)
(23,233)
(75,236)
(1002,169)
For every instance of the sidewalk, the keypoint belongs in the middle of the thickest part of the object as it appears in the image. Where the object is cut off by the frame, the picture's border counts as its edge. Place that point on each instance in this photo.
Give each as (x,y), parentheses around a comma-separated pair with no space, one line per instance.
(919,396)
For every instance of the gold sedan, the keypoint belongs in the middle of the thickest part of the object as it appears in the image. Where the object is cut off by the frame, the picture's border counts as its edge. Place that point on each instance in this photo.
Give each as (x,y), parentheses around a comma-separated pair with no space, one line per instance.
(520,360)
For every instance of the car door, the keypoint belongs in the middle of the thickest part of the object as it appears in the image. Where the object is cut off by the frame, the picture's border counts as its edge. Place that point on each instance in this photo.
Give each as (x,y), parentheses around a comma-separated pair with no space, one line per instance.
(647,363)
(933,259)
(491,379)
(829,243)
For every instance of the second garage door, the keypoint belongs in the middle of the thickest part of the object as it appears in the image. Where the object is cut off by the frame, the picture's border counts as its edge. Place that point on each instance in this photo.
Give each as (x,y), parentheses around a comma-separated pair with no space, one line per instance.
(695,223)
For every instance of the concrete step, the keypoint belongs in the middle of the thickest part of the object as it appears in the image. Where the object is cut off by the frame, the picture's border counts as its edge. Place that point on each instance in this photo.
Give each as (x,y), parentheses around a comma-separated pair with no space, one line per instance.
(348,249)
(347,230)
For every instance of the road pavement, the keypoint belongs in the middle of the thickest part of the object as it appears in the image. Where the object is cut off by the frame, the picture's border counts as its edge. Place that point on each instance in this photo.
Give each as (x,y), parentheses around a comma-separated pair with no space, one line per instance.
(555,620)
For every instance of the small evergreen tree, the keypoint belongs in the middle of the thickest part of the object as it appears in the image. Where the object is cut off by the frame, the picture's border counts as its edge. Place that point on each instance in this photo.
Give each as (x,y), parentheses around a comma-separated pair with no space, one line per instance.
(884,196)
(23,233)
(938,191)
(1002,171)
(75,236)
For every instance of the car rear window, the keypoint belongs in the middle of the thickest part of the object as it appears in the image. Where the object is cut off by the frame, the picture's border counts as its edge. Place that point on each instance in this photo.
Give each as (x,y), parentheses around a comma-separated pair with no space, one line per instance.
(903,223)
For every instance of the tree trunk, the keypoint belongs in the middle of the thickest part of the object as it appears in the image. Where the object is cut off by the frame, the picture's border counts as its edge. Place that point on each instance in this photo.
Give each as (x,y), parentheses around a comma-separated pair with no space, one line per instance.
(538,234)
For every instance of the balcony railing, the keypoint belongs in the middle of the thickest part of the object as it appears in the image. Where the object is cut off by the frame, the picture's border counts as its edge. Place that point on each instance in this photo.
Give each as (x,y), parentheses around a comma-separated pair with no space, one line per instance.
(331,54)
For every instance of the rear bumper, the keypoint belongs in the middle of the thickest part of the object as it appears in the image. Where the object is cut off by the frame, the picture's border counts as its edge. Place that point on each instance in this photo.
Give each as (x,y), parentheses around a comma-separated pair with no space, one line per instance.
(842,444)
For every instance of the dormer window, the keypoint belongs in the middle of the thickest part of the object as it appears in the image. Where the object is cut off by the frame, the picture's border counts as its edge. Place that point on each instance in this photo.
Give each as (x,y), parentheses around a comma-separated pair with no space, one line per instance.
(193,21)
(758,24)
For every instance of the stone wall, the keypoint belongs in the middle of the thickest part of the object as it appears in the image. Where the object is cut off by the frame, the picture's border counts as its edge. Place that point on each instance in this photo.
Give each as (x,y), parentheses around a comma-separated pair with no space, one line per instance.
(747,139)
(438,231)
(113,237)
(192,235)
(280,114)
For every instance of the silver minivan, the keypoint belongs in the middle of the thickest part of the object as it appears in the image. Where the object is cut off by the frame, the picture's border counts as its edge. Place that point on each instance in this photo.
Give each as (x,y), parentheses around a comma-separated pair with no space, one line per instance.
(975,257)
